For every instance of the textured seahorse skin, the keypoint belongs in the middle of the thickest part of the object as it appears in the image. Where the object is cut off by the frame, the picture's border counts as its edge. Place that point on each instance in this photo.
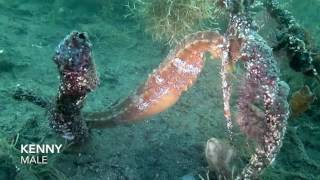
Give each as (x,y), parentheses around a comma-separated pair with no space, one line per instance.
(166,84)
(75,64)
(261,89)
(76,68)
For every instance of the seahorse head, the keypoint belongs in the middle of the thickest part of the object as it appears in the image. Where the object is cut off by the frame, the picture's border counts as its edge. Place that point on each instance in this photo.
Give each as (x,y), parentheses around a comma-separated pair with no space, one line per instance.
(75,63)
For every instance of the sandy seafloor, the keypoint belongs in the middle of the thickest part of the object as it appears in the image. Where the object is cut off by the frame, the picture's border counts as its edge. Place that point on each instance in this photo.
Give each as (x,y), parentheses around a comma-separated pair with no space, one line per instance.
(167,146)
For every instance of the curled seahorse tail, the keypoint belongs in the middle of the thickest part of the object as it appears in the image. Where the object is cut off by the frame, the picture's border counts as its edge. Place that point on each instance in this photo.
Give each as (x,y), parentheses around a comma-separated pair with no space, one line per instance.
(106,119)
(166,84)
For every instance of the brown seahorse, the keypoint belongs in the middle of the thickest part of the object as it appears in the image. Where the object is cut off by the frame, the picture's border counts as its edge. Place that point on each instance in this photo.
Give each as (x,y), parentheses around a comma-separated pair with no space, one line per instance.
(166,84)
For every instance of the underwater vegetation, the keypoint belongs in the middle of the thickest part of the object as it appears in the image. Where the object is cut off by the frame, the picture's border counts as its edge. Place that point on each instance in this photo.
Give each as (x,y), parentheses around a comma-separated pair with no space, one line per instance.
(295,40)
(10,165)
(171,20)
(8,168)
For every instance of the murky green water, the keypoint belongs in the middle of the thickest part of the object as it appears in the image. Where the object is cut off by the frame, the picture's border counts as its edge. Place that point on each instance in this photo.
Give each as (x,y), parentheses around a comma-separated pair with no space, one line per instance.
(170,145)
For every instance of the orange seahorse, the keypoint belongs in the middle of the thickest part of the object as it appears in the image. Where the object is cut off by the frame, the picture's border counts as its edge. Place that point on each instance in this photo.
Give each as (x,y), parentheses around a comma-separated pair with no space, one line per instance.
(166,84)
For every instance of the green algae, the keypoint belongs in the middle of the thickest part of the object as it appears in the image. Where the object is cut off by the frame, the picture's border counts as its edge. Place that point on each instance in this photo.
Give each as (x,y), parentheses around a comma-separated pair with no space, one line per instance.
(171,20)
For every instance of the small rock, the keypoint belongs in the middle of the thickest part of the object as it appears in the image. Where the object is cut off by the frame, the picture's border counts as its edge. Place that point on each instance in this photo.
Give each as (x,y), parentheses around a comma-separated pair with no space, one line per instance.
(188,177)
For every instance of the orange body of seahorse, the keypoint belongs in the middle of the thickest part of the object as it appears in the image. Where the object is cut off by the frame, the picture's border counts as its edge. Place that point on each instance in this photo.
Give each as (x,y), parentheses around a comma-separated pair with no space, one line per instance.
(165,85)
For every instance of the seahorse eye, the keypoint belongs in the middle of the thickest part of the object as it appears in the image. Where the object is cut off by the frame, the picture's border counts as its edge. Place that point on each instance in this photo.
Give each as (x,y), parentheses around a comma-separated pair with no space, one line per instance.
(82,36)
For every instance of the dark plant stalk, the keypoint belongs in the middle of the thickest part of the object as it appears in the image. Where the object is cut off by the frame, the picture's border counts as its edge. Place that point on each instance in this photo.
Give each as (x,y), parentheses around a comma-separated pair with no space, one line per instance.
(293,39)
